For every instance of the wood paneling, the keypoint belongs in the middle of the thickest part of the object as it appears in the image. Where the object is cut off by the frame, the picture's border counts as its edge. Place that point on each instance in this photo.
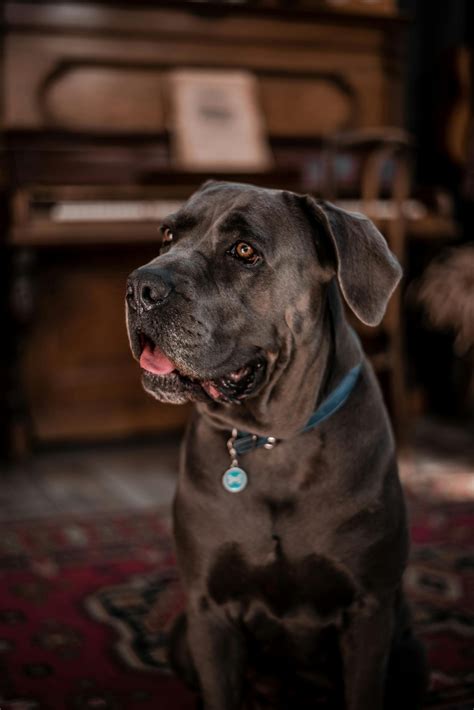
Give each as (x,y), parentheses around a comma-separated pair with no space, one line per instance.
(82,97)
(296,107)
(80,376)
(332,69)
(106,99)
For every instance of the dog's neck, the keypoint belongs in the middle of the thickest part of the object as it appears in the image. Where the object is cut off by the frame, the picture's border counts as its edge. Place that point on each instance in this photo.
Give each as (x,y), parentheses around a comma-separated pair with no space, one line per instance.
(299,379)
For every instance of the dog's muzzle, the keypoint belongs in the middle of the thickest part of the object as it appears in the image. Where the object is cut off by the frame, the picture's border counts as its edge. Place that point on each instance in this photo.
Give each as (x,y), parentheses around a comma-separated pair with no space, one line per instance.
(149,293)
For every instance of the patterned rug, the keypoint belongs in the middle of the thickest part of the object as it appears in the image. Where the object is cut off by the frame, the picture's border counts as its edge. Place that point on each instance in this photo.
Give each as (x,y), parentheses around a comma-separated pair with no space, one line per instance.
(440,577)
(85,605)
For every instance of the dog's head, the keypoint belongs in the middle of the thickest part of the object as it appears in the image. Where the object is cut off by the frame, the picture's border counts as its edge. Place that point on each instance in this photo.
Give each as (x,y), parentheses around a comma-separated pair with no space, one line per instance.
(242,271)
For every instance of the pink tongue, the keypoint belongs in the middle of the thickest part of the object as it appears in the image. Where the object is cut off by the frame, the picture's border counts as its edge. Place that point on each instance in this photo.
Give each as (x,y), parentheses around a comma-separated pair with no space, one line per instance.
(211,390)
(155,361)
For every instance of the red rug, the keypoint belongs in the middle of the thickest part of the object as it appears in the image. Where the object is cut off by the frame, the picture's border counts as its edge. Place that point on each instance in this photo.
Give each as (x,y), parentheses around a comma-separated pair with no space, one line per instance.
(84,608)
(85,605)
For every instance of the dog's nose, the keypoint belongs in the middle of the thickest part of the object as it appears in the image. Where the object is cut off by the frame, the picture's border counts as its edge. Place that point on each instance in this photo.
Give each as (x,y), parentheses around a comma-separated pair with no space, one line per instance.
(147,289)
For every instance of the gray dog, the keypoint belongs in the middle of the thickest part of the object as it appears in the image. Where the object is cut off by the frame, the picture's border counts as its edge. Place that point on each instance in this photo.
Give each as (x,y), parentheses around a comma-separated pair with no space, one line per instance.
(289,518)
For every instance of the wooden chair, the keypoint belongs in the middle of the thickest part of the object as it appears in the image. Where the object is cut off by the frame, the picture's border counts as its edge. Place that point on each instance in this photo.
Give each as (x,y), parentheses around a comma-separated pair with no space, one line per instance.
(382,197)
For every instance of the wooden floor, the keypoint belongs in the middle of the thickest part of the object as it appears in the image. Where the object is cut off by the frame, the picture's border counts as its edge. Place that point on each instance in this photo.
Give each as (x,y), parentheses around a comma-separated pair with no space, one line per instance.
(119,477)
(91,479)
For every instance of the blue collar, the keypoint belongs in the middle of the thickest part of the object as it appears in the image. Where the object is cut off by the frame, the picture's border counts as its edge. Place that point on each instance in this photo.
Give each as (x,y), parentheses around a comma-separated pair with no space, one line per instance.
(334,401)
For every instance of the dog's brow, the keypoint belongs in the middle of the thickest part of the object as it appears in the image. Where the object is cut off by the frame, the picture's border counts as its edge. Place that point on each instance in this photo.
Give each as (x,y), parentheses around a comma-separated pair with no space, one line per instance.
(238,222)
(181,222)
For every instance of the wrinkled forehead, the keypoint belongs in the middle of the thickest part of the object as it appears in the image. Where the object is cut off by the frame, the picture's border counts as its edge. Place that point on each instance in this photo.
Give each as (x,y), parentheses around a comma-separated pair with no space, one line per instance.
(233,209)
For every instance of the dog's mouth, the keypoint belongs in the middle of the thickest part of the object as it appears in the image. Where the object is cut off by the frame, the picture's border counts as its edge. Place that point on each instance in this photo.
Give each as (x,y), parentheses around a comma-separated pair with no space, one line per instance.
(231,387)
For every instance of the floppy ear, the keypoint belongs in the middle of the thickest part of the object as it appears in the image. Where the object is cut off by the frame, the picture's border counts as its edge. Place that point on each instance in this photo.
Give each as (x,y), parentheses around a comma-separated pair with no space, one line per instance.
(206,184)
(366,269)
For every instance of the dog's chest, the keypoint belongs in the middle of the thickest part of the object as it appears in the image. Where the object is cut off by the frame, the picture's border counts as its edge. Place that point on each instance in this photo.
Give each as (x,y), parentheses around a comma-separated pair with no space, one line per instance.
(312,585)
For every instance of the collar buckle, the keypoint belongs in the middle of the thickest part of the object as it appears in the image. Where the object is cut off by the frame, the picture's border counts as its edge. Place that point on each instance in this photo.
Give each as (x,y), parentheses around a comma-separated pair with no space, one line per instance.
(270,443)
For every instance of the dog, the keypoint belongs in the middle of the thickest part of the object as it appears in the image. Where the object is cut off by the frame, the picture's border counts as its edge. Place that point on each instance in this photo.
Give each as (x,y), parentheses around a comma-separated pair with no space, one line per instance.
(289,519)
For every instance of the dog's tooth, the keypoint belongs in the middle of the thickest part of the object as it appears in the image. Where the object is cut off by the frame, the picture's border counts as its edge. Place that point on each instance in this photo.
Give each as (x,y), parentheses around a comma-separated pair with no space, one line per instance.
(238,374)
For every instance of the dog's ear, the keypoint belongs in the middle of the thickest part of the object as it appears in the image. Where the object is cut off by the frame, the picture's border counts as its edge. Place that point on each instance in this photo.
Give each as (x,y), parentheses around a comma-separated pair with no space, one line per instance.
(366,269)
(206,184)
(212,183)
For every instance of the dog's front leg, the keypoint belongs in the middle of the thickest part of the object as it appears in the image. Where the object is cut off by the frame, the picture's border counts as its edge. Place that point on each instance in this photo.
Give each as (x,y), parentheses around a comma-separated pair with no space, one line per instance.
(218,653)
(365,646)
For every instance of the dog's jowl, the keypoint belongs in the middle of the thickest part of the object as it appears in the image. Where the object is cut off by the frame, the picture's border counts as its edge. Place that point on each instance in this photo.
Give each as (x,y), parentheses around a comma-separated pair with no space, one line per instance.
(289,518)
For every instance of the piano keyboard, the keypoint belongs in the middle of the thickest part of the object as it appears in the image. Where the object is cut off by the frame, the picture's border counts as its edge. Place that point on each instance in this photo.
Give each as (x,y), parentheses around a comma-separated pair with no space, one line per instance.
(112,210)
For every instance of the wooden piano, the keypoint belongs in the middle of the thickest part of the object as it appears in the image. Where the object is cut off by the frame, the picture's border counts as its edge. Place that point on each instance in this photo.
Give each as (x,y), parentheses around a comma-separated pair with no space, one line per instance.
(87,171)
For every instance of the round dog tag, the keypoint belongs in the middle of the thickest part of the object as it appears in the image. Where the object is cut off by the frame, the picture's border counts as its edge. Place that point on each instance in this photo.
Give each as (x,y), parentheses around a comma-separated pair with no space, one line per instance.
(235,479)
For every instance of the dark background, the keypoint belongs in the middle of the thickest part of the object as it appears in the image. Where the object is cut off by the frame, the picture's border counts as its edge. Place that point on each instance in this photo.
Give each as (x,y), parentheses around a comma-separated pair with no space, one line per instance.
(86,116)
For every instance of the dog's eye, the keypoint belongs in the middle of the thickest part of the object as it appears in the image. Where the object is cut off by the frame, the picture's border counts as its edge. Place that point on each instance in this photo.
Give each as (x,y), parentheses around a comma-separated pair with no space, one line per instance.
(167,235)
(246,252)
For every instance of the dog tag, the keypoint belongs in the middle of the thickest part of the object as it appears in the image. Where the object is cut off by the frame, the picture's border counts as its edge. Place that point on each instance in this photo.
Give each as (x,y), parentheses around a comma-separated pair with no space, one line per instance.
(235,479)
